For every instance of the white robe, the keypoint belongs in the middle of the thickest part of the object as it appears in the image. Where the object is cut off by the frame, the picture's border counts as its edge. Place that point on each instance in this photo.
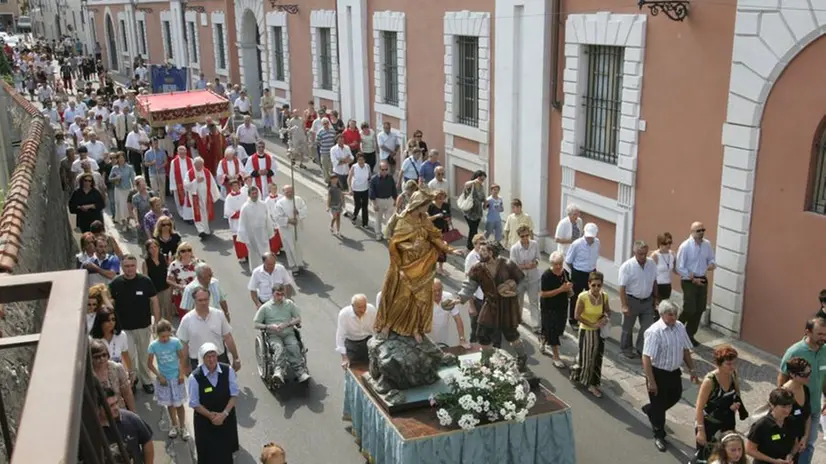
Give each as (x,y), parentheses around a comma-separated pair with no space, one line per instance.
(255,228)
(286,209)
(185,211)
(232,205)
(204,190)
(230,173)
(270,202)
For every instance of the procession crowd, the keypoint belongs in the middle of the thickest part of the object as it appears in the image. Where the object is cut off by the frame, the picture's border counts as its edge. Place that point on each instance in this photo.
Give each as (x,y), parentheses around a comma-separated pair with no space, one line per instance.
(165,325)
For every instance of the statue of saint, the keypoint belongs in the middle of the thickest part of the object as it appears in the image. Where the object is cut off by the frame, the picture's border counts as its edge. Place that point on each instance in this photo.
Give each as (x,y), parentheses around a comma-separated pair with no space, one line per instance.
(407,294)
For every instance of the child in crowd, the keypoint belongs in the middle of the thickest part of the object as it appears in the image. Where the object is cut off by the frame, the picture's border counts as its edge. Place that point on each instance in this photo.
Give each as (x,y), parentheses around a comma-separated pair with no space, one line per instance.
(335,204)
(495,206)
(729,450)
(170,382)
(515,220)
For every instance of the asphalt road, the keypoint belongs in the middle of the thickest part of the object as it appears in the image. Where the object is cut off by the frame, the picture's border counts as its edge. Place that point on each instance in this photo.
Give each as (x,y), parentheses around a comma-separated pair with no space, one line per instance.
(307,421)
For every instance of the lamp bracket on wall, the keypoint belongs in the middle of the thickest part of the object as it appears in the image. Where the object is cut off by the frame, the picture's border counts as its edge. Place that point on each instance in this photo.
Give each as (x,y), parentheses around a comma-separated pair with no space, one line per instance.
(197,9)
(289,9)
(145,10)
(676,10)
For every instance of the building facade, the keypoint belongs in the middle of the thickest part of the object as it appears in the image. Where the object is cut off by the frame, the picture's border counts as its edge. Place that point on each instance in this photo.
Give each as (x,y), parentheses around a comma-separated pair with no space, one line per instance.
(645,122)
(9,12)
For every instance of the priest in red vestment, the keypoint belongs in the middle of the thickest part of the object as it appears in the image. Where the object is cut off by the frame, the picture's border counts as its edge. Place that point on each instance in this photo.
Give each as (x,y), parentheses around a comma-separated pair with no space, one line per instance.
(215,146)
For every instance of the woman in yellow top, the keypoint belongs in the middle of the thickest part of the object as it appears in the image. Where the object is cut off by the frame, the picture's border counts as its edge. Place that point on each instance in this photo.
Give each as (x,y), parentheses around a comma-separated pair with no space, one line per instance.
(592,312)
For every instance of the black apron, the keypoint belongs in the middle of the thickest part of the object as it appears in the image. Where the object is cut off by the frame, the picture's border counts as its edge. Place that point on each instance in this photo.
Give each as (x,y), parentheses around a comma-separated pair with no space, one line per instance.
(215,444)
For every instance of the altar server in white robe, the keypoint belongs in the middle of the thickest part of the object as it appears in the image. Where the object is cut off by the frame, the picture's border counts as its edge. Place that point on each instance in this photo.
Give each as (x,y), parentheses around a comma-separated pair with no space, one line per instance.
(255,227)
(229,168)
(290,213)
(262,166)
(270,201)
(236,199)
(203,194)
(178,169)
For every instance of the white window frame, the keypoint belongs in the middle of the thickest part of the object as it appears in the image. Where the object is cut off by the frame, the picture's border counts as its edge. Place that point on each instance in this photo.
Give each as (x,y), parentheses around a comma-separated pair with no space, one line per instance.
(167,37)
(218,18)
(390,21)
(469,24)
(279,19)
(142,37)
(193,37)
(123,34)
(324,19)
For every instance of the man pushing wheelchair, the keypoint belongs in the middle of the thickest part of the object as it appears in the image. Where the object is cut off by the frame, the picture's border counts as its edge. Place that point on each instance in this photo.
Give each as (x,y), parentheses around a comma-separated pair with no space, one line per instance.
(280,350)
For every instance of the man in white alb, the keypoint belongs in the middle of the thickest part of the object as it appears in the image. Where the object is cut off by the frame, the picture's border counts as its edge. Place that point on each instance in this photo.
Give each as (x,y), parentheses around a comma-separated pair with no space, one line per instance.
(265,277)
(255,227)
(179,169)
(233,203)
(444,310)
(354,329)
(229,168)
(290,213)
(261,166)
(203,194)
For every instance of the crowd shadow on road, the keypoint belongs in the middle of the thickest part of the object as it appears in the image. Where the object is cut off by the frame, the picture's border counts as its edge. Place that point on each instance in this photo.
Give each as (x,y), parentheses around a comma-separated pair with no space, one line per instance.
(245,457)
(293,396)
(244,407)
(310,284)
(220,245)
(353,244)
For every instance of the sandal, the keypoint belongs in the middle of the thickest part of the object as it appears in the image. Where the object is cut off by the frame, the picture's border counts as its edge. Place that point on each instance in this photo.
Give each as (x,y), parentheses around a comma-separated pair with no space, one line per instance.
(559,364)
(595,391)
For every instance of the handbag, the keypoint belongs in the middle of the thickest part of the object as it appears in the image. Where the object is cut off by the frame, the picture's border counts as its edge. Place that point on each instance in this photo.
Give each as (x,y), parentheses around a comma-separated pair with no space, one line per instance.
(451,236)
(605,331)
(465,200)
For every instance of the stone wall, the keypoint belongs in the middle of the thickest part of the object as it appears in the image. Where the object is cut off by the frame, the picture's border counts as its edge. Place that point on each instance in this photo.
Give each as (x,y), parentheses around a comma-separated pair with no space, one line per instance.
(35,236)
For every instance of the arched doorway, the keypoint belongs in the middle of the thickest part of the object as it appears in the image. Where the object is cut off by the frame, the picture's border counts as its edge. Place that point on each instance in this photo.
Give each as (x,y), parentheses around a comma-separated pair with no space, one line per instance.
(251,59)
(111,43)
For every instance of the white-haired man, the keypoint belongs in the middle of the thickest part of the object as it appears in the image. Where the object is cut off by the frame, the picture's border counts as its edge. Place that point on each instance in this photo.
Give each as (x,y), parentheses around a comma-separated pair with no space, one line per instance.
(203,194)
(354,329)
(229,168)
(568,229)
(666,348)
(444,310)
(581,259)
(290,213)
(638,294)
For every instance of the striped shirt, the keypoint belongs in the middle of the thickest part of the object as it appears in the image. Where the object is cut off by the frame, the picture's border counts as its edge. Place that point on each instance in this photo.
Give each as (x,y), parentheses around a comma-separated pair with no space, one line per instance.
(216,295)
(326,140)
(666,345)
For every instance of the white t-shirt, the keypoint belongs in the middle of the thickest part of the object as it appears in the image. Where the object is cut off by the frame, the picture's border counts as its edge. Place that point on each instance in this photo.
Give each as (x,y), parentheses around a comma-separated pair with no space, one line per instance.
(441,320)
(471,259)
(78,168)
(243,105)
(262,283)
(196,331)
(361,177)
(564,230)
(117,346)
(96,150)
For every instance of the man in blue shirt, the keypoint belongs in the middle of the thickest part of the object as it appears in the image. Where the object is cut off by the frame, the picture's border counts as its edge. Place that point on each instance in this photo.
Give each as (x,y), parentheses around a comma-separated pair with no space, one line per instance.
(109,264)
(428,169)
(155,160)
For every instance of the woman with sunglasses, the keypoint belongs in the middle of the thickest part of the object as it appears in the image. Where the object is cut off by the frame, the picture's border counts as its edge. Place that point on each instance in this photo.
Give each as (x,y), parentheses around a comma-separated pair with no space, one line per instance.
(107,330)
(664,258)
(717,401)
(181,272)
(800,419)
(97,299)
(168,239)
(593,313)
(111,375)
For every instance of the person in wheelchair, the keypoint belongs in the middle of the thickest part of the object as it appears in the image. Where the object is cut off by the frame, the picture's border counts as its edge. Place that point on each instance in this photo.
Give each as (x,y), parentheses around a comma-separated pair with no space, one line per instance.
(279,317)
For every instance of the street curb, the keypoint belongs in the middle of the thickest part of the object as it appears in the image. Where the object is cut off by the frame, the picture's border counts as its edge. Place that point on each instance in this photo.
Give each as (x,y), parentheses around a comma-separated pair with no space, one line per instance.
(318,187)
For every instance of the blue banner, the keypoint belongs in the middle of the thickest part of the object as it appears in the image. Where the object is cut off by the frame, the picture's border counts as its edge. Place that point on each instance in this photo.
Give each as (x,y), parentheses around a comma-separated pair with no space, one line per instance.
(168,78)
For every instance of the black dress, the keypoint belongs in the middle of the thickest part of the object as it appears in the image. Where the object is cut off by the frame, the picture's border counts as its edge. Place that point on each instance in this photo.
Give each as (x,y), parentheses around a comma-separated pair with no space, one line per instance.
(170,247)
(157,272)
(554,310)
(440,223)
(215,444)
(800,414)
(85,218)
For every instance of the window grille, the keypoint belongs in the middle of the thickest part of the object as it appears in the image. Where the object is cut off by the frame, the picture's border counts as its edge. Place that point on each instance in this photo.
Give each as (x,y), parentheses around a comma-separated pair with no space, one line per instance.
(817,201)
(278,53)
(390,68)
(167,32)
(466,103)
(222,54)
(602,103)
(142,37)
(325,57)
(193,44)
(123,36)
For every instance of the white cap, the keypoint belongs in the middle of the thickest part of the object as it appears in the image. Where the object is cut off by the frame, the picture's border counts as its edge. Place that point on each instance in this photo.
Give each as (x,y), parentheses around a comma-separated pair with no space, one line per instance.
(206,348)
(591,230)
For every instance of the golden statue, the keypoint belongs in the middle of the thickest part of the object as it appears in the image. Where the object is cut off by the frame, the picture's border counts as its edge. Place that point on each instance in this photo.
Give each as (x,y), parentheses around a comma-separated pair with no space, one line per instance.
(415,245)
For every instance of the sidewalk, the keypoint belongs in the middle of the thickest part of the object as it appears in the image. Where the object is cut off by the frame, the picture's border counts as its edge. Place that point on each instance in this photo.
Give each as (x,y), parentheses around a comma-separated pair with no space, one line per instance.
(623,380)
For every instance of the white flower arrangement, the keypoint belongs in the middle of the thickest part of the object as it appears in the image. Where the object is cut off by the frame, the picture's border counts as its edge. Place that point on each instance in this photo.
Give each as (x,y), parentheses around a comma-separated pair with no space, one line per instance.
(488,391)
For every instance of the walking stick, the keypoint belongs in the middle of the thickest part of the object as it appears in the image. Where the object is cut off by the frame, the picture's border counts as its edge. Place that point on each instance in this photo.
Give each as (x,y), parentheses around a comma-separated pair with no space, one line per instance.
(295,208)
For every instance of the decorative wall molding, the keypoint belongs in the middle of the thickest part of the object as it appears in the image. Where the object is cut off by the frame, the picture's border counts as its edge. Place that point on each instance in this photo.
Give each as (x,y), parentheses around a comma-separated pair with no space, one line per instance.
(191,17)
(324,19)
(767,37)
(218,17)
(474,24)
(279,19)
(166,17)
(393,21)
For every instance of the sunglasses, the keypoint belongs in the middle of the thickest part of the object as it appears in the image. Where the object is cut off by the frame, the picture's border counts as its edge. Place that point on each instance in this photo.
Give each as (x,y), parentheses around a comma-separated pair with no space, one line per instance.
(595,285)
(700,230)
(186,251)
(667,243)
(525,236)
(804,375)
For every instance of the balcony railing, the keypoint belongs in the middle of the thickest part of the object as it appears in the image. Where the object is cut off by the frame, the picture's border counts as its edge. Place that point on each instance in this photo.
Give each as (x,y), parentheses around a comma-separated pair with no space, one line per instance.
(60,420)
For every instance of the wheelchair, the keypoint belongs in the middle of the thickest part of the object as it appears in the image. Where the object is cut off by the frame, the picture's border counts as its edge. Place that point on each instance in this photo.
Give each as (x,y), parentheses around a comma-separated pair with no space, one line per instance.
(264,353)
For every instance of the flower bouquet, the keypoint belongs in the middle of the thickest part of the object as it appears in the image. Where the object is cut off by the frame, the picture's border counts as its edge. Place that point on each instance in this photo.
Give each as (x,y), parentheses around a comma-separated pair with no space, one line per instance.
(487,391)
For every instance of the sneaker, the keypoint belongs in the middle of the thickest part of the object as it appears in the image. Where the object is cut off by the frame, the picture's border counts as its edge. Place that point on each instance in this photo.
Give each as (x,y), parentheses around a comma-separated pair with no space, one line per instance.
(173,433)
(303,377)
(278,378)
(184,433)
